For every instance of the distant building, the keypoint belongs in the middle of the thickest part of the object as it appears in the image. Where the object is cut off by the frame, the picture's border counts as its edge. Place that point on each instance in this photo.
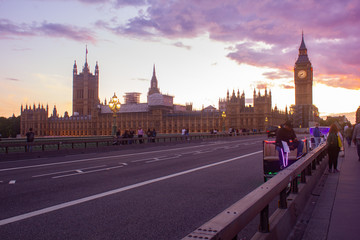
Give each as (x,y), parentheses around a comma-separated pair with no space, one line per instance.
(341,120)
(303,112)
(258,116)
(91,117)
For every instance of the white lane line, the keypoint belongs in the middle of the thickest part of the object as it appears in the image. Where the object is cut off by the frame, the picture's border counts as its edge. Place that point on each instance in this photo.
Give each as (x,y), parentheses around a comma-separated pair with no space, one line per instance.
(107,157)
(80,172)
(147,159)
(12,182)
(115,191)
(163,159)
(72,170)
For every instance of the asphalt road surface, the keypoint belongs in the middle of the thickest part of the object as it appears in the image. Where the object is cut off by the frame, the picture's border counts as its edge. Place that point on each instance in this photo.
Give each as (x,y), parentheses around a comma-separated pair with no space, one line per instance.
(149,192)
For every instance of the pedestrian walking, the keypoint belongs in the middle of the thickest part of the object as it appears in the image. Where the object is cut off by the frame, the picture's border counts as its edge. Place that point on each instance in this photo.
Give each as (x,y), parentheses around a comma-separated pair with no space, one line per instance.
(317,135)
(356,138)
(334,144)
(348,133)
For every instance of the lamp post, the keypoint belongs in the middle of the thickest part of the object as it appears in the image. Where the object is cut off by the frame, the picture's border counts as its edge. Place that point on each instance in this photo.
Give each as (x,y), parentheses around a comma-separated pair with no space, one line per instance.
(223,115)
(266,122)
(114,105)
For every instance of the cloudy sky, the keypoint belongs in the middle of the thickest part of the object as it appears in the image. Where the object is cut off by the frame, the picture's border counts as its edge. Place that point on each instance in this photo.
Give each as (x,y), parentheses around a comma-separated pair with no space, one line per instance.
(200,48)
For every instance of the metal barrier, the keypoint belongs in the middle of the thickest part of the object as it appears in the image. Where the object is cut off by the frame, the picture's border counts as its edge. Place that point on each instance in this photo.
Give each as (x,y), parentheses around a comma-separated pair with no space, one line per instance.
(302,176)
(54,144)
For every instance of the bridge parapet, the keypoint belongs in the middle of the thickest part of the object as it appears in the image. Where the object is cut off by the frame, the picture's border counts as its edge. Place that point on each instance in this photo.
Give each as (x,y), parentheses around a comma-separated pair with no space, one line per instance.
(301,176)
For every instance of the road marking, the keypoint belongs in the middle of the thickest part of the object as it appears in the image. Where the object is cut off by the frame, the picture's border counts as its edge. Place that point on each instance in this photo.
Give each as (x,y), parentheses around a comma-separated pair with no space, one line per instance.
(115,191)
(72,170)
(166,158)
(80,172)
(12,182)
(147,159)
(114,156)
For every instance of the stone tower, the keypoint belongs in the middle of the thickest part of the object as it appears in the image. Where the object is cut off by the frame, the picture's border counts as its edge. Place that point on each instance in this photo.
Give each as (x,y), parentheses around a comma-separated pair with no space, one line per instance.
(304,110)
(85,90)
(303,76)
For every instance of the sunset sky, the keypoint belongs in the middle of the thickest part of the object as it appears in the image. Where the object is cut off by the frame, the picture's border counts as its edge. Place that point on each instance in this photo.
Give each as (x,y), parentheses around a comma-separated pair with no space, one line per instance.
(200,49)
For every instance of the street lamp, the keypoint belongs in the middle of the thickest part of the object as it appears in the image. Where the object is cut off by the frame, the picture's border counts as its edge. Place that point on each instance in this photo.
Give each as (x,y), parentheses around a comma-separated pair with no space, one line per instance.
(223,115)
(114,105)
(266,122)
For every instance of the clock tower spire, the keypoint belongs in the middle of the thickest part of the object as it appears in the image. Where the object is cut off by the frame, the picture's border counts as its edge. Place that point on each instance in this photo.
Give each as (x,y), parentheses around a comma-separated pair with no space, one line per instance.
(304,110)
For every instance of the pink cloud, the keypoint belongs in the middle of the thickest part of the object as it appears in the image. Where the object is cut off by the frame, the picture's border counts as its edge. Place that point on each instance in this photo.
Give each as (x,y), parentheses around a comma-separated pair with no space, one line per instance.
(274,75)
(259,33)
(331,32)
(285,86)
(9,29)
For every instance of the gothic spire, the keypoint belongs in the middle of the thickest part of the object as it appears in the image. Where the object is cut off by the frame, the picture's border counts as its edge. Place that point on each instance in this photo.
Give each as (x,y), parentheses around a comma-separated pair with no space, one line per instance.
(154,84)
(302,45)
(86,53)
(303,57)
(86,63)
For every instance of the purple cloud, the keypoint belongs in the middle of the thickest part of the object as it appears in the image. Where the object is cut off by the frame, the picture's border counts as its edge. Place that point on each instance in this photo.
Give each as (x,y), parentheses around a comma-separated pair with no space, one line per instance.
(117,3)
(265,34)
(9,29)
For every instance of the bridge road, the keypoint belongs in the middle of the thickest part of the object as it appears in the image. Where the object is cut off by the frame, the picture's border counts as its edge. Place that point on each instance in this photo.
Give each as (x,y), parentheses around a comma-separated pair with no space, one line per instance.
(153,192)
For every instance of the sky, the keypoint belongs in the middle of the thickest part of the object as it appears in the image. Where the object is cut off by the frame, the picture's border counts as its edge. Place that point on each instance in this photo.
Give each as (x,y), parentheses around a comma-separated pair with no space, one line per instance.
(201,49)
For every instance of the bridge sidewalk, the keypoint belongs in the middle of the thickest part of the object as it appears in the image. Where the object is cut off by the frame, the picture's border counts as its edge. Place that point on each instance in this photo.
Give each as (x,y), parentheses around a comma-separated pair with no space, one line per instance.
(336,202)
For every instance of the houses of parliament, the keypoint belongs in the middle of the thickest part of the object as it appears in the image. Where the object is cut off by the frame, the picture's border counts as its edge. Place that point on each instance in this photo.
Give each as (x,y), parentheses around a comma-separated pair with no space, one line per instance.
(90,117)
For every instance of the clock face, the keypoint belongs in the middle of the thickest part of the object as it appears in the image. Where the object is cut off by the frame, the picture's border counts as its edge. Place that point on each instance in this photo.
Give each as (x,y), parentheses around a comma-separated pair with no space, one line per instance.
(302,74)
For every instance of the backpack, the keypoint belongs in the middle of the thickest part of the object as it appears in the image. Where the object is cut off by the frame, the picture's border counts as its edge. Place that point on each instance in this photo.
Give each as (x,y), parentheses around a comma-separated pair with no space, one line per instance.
(333,140)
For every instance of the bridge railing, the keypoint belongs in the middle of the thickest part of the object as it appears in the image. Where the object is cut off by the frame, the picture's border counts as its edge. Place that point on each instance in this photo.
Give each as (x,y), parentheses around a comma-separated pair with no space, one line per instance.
(59,143)
(301,176)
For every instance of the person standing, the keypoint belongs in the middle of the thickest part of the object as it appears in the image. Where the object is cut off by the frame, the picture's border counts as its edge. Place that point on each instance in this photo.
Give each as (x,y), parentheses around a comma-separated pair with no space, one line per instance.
(30,136)
(140,135)
(183,133)
(153,134)
(333,148)
(356,138)
(317,135)
(348,133)
(149,135)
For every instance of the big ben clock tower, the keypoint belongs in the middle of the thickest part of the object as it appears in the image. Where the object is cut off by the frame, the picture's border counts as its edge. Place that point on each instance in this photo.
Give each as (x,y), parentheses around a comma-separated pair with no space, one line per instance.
(304,110)
(303,77)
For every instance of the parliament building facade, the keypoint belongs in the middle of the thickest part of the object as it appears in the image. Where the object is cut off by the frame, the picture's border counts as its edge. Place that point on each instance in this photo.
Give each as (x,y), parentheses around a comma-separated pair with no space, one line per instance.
(90,117)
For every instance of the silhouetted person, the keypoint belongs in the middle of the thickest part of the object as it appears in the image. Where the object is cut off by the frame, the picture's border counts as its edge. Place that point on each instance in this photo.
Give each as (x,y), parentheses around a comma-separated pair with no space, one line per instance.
(348,130)
(153,134)
(30,136)
(333,148)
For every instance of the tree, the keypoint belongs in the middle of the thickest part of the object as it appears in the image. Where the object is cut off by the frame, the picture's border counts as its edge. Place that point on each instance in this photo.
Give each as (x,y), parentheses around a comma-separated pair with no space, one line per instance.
(9,127)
